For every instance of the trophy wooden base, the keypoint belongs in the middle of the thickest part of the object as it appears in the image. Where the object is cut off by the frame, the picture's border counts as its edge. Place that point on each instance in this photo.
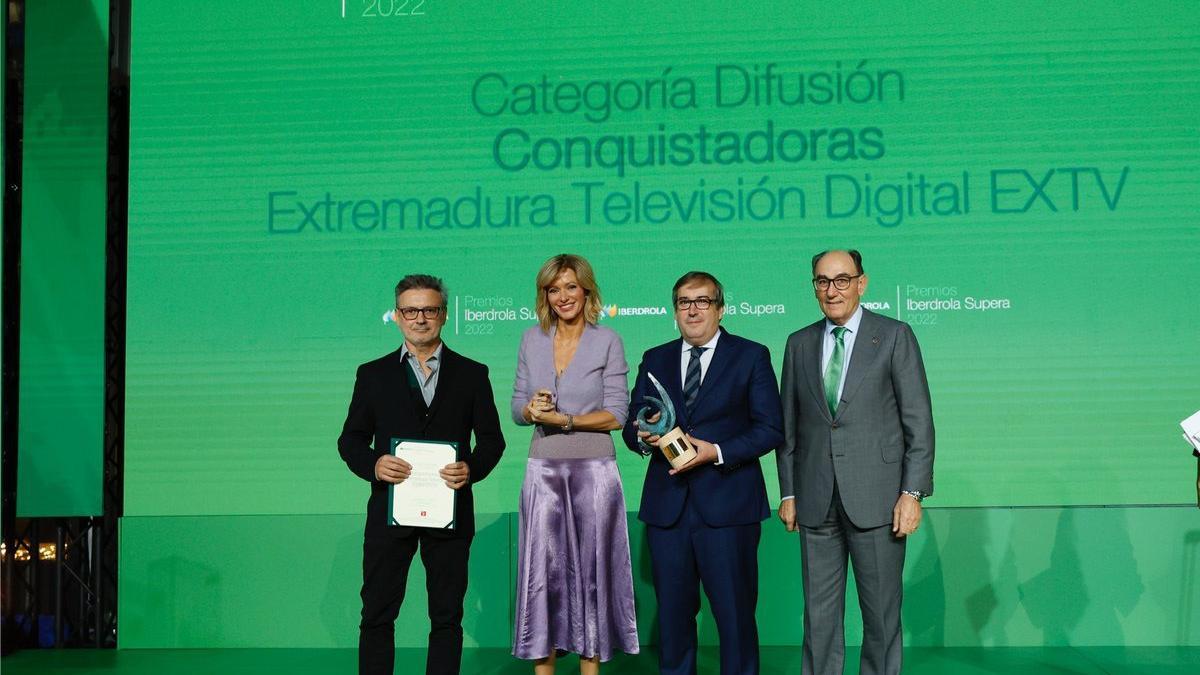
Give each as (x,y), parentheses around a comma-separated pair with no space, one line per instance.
(676,448)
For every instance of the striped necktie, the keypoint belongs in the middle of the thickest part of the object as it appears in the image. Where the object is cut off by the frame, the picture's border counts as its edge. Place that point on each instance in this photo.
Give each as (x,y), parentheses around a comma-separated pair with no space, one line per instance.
(833,372)
(691,381)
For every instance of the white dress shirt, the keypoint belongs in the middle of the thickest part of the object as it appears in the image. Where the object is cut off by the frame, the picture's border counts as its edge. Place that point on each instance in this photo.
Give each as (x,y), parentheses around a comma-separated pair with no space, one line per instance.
(685,356)
(706,357)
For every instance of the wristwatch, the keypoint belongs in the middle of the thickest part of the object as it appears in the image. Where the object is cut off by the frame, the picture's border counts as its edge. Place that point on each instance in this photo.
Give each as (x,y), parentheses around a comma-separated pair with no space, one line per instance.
(915,494)
(570,425)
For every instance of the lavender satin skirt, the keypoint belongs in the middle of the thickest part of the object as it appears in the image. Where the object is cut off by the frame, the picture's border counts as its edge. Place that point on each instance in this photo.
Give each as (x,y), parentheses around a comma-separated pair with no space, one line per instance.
(574,581)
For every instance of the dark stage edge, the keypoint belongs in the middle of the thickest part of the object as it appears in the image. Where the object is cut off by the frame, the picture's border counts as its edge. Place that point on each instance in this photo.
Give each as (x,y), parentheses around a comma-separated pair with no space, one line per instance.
(923,660)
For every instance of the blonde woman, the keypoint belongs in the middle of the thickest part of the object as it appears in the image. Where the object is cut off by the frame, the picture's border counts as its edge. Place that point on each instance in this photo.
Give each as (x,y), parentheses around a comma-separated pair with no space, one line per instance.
(574,582)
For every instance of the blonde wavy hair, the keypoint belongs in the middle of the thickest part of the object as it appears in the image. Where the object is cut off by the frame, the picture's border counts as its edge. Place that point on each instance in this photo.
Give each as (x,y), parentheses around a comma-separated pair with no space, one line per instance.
(587,279)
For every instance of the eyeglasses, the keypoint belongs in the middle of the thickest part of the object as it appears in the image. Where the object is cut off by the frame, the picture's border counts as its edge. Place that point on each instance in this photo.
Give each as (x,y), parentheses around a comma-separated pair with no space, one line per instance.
(688,303)
(410,313)
(841,283)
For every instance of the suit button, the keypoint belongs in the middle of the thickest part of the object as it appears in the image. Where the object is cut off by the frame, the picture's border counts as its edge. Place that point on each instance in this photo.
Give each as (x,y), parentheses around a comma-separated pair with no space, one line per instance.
(834,425)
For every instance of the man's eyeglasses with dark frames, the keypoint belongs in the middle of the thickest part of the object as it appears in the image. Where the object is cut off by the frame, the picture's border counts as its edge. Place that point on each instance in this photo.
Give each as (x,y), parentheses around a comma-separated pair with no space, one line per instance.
(687,303)
(840,283)
(429,313)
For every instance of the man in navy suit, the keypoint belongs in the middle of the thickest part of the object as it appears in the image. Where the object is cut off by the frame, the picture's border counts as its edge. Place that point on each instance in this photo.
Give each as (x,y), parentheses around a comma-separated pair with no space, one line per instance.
(704,519)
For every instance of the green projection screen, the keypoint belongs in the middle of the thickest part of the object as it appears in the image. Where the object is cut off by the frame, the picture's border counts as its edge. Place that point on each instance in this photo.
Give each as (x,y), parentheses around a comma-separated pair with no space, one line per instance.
(1021,179)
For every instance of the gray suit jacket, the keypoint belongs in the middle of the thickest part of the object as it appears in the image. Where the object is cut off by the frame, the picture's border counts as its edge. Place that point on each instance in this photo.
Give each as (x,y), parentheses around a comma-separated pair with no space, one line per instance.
(879,442)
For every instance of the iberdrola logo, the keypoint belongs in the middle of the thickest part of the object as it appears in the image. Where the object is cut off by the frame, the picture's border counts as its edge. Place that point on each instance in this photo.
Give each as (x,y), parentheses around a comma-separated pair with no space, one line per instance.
(613,311)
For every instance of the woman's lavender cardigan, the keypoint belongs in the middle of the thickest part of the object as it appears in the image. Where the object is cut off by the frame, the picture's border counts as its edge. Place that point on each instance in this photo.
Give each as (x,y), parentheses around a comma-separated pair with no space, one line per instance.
(594,380)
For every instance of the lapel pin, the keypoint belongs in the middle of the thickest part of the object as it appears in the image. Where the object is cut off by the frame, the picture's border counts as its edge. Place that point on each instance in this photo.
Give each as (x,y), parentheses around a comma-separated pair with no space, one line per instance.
(875,340)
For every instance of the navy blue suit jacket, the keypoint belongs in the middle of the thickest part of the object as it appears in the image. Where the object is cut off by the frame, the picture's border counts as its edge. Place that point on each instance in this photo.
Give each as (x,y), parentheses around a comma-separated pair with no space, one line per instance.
(738,408)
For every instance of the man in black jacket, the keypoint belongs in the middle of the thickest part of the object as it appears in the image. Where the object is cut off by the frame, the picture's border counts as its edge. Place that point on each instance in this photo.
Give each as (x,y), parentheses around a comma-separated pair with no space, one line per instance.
(422,391)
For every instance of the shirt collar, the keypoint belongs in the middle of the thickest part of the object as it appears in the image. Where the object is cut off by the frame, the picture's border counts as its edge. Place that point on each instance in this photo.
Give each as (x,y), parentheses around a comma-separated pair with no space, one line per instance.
(851,325)
(432,361)
(711,344)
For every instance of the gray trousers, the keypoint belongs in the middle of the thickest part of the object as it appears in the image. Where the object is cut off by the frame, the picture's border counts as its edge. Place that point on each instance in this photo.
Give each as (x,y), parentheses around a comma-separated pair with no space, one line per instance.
(878,559)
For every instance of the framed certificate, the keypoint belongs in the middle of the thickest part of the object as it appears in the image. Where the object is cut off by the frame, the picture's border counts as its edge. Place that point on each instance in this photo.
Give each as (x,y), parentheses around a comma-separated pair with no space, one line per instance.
(423,499)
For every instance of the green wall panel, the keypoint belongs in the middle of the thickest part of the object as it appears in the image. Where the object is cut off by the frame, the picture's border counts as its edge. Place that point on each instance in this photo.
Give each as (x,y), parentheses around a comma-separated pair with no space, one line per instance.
(61,426)
(974,577)
(281,581)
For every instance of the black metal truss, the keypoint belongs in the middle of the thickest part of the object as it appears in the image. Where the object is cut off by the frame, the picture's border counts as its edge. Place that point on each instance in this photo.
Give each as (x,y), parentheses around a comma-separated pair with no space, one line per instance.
(60,574)
(54,598)
(13,595)
(117,219)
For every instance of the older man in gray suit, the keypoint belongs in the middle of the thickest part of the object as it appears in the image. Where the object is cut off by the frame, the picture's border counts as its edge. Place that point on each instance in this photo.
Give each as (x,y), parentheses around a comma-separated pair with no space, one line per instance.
(855,464)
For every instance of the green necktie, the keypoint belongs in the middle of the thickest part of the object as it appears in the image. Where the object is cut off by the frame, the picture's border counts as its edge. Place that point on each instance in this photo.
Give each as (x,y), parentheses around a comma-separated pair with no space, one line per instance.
(833,372)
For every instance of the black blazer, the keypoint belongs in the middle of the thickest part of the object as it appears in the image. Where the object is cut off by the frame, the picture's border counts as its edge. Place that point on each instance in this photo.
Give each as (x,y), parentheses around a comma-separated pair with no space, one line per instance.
(383,408)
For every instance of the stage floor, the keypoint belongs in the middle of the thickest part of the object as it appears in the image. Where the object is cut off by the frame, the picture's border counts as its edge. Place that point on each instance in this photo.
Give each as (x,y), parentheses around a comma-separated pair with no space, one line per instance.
(923,660)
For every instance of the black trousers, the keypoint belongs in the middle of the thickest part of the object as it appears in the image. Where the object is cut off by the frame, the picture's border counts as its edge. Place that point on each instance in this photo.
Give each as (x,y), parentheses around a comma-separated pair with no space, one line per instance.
(386,560)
